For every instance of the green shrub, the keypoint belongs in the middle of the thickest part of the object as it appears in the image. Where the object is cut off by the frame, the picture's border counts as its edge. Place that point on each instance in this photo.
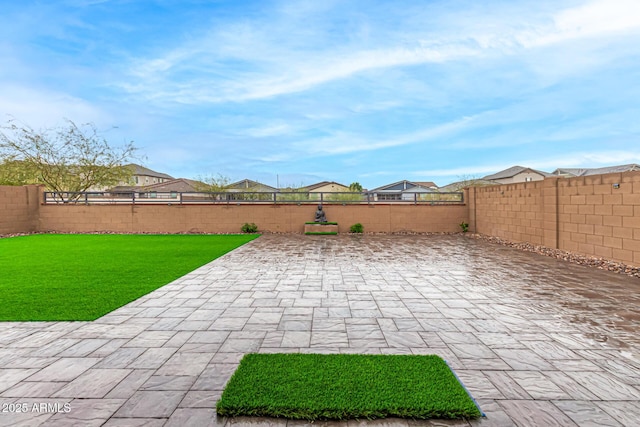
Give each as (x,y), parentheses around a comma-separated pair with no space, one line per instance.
(357,228)
(249,228)
(464,226)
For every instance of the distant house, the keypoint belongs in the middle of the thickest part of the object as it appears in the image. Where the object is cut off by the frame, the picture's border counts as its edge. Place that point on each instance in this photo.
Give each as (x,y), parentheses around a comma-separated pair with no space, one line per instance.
(325,187)
(402,190)
(249,185)
(460,185)
(571,172)
(517,174)
(144,176)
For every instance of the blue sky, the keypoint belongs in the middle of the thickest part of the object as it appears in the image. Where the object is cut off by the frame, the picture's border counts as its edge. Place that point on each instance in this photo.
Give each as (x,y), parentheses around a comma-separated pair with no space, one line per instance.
(295,92)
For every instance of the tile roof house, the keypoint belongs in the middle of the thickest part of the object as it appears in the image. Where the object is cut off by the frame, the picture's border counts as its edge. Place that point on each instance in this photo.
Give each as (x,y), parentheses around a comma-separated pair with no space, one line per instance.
(401,190)
(571,172)
(250,186)
(145,176)
(516,174)
(459,185)
(324,187)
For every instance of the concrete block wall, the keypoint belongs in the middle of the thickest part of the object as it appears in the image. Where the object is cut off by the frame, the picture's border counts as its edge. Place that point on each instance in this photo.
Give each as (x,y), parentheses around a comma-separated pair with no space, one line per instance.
(596,215)
(289,218)
(513,212)
(600,215)
(19,209)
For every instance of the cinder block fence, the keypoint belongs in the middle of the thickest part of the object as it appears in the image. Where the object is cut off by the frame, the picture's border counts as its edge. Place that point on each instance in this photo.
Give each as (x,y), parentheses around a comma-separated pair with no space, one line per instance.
(597,215)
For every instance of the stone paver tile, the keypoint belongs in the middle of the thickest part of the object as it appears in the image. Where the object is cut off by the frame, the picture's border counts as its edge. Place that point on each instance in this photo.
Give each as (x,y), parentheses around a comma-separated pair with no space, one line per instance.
(84,347)
(472,351)
(569,385)
(168,382)
(256,422)
(38,339)
(188,364)
(408,325)
(193,325)
(478,385)
(265,317)
(404,339)
(182,312)
(214,377)
(508,387)
(54,348)
(135,422)
(66,369)
(179,339)
(19,362)
(152,358)
(97,330)
(120,358)
(494,415)
(86,412)
(227,358)
(94,383)
(581,365)
(551,350)
(208,337)
(25,419)
(499,340)
(130,384)
(295,339)
(33,389)
(538,386)
(200,348)
(294,325)
(605,386)
(240,345)
(194,417)
(201,399)
(205,314)
(523,359)
(150,404)
(228,324)
(329,339)
(165,323)
(110,347)
(527,413)
(150,339)
(586,413)
(328,324)
(627,413)
(372,332)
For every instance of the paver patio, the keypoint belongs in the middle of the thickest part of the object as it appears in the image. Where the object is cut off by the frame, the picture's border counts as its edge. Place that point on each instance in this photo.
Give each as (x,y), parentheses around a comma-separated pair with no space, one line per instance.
(536,341)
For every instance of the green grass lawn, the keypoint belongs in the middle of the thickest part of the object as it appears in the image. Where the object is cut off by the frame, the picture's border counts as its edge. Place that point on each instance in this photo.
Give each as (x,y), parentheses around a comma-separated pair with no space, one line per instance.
(85,276)
(345,386)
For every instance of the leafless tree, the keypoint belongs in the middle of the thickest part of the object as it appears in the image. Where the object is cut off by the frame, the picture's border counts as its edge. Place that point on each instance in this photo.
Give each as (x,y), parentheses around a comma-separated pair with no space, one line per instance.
(66,159)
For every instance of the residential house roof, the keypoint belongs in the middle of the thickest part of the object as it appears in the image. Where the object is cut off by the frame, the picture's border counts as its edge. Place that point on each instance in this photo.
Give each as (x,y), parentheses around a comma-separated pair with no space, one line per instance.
(141,170)
(426,184)
(180,185)
(400,186)
(596,171)
(322,184)
(459,185)
(250,185)
(513,171)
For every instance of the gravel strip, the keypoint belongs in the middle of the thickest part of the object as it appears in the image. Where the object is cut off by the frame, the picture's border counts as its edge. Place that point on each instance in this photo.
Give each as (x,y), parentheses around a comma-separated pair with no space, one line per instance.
(572,257)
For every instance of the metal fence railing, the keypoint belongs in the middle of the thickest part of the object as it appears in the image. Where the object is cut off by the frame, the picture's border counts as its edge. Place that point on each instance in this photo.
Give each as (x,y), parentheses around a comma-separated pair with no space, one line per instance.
(248,197)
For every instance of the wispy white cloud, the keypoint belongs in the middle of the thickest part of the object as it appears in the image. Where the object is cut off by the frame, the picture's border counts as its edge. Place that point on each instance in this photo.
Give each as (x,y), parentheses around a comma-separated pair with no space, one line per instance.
(272,68)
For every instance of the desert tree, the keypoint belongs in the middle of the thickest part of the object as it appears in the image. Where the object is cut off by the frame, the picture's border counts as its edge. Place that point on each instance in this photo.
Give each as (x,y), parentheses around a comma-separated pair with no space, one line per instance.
(66,159)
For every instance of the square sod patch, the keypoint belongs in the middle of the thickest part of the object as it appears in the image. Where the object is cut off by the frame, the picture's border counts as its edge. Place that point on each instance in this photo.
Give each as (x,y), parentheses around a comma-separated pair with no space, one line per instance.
(345,386)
